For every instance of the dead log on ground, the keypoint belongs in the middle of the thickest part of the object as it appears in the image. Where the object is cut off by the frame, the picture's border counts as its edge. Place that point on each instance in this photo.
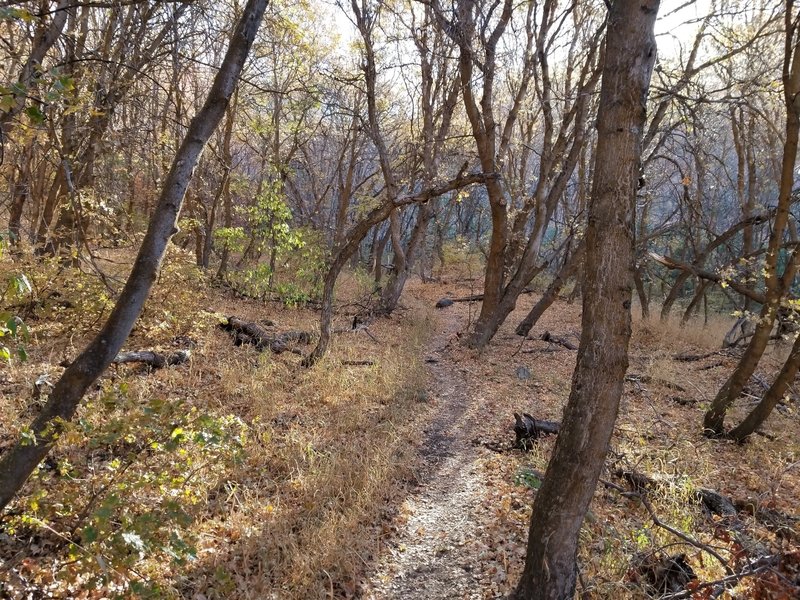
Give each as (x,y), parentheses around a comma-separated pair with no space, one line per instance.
(246,332)
(640,379)
(154,360)
(528,430)
(554,339)
(445,302)
(685,357)
(781,524)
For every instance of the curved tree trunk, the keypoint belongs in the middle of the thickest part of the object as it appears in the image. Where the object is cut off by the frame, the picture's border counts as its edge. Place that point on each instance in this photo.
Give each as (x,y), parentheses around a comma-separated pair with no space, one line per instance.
(551,293)
(550,569)
(699,295)
(353,241)
(674,293)
(19,462)
(45,38)
(714,420)
(558,163)
(774,394)
(402,269)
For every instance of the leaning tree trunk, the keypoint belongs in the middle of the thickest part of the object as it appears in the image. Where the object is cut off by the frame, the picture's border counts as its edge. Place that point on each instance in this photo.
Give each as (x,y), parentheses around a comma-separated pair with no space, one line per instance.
(699,295)
(353,241)
(397,281)
(19,462)
(561,504)
(45,38)
(774,394)
(568,269)
(714,419)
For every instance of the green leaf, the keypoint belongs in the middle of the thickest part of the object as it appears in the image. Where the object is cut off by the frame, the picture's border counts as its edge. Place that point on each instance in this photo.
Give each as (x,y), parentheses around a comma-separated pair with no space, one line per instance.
(35,114)
(9,14)
(67,83)
(528,479)
(27,436)
(6,101)
(89,534)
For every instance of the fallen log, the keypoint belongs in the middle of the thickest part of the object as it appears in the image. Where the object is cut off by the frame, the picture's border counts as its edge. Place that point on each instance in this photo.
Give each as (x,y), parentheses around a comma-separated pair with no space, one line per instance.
(781,524)
(696,357)
(554,339)
(246,332)
(444,303)
(152,359)
(528,430)
(640,379)
(447,301)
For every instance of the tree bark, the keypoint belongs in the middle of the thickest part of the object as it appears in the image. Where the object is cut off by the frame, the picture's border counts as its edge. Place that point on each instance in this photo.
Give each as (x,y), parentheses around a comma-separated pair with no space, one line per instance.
(353,240)
(43,41)
(697,265)
(19,462)
(154,360)
(559,158)
(550,569)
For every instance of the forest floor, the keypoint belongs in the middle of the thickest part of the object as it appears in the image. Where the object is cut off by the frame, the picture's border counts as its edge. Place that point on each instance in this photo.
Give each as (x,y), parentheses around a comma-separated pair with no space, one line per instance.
(462,533)
(243,475)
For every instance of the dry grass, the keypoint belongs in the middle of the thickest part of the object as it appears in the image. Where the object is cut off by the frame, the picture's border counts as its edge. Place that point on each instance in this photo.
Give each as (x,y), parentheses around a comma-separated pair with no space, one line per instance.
(296,512)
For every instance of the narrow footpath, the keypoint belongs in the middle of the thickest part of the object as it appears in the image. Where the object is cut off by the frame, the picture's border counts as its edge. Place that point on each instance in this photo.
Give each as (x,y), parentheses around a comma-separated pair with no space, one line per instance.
(432,555)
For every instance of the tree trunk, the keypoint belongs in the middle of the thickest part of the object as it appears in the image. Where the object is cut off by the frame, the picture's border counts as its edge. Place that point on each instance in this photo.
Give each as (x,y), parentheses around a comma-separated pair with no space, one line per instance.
(378,250)
(353,240)
(551,293)
(227,200)
(43,41)
(773,395)
(644,299)
(402,269)
(19,462)
(550,568)
(19,195)
(699,295)
(674,293)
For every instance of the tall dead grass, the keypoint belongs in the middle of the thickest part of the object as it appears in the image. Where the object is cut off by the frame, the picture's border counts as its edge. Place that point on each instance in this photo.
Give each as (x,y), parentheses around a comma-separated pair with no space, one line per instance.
(331,448)
(327,450)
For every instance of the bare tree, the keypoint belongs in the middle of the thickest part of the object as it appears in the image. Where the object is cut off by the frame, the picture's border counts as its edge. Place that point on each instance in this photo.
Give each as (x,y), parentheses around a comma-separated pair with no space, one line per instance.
(18,463)
(561,503)
(776,284)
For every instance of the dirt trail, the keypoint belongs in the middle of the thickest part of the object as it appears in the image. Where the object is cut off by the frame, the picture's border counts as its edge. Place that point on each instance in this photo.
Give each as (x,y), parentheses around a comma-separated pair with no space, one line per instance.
(433,554)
